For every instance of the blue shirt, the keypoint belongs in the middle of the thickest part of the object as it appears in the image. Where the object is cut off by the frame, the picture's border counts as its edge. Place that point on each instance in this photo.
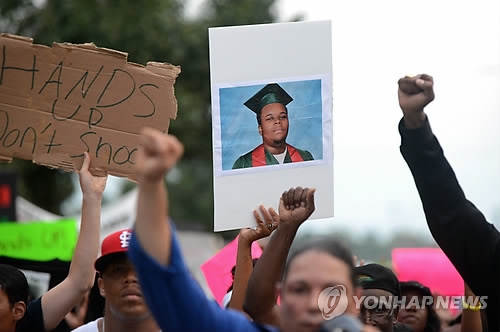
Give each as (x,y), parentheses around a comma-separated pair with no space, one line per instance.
(176,300)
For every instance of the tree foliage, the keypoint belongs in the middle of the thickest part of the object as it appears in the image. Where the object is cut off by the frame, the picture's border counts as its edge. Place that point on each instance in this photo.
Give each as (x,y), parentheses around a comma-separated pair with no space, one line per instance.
(148,30)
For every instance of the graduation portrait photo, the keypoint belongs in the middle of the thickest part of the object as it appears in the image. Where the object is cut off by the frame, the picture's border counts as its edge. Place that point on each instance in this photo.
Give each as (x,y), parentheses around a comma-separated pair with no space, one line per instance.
(271,124)
(272,117)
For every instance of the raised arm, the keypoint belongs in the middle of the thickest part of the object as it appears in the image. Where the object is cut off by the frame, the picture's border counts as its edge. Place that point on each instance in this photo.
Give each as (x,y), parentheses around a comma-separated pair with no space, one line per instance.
(244,262)
(169,289)
(460,229)
(296,205)
(158,154)
(58,301)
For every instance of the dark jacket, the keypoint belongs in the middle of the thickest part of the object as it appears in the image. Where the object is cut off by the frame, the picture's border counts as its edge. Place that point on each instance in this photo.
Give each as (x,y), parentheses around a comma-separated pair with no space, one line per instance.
(471,243)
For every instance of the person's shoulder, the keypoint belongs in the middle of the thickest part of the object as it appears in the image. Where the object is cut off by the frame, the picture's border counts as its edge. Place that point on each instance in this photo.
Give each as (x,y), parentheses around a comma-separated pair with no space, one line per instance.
(244,160)
(89,327)
(35,305)
(306,155)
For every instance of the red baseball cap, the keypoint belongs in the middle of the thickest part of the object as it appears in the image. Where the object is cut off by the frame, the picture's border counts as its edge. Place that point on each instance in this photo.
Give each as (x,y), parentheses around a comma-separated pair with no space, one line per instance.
(113,246)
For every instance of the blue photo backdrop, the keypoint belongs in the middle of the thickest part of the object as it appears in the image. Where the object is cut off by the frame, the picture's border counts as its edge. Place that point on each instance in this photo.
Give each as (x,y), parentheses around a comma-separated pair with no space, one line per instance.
(239,128)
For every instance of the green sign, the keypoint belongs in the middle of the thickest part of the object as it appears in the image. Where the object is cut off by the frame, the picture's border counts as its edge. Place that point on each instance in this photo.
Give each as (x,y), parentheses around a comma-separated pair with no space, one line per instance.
(39,241)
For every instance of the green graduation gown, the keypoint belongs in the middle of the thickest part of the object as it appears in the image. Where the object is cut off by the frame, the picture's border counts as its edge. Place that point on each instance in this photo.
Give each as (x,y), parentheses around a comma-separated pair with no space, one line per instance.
(261,157)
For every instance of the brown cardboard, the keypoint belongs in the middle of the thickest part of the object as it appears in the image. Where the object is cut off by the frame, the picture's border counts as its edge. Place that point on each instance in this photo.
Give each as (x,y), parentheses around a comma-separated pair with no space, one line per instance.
(57,102)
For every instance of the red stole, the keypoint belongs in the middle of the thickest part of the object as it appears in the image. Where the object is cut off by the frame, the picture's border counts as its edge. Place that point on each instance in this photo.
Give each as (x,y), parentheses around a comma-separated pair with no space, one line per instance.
(259,155)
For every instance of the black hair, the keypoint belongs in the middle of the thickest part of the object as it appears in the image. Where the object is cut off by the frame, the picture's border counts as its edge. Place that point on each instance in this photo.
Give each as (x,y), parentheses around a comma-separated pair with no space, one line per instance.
(233,271)
(14,284)
(259,113)
(328,245)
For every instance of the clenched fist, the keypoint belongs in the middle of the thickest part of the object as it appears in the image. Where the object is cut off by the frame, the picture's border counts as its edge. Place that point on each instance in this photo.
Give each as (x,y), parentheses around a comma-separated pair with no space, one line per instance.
(157,154)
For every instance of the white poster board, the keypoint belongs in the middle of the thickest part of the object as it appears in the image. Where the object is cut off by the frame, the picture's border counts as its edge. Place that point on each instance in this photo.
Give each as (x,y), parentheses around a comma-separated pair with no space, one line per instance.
(248,61)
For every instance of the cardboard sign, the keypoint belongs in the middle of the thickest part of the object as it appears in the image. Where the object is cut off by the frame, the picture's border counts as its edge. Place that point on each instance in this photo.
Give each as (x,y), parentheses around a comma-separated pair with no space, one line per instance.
(217,270)
(430,267)
(57,102)
(39,241)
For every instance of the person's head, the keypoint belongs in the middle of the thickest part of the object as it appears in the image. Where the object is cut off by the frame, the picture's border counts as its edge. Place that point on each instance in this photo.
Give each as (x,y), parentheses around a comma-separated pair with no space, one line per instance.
(269,105)
(233,271)
(117,281)
(314,265)
(444,313)
(14,292)
(380,288)
(420,317)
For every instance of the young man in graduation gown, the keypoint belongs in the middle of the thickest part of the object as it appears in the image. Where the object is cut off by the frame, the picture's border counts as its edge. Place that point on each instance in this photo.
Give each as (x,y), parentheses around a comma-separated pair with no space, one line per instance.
(269,104)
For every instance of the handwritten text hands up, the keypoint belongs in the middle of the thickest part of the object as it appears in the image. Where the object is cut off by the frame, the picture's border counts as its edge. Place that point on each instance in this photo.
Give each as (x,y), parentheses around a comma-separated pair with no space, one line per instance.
(296,205)
(157,154)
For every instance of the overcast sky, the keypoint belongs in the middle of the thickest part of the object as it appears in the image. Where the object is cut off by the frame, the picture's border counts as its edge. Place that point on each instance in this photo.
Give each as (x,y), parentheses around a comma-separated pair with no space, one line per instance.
(375,43)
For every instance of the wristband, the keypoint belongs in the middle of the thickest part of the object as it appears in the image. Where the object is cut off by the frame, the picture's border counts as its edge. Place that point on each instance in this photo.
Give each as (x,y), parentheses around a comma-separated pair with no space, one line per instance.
(465,305)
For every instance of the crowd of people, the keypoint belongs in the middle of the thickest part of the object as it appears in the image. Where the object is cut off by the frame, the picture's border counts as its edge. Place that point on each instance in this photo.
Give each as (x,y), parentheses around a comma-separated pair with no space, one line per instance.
(313,286)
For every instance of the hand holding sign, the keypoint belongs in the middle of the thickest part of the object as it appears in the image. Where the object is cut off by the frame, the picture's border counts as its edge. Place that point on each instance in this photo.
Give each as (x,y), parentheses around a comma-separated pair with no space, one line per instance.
(265,225)
(92,186)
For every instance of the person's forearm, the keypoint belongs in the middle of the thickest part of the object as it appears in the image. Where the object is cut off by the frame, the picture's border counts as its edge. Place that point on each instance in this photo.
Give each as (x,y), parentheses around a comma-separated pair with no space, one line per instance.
(471,318)
(261,292)
(243,270)
(58,301)
(435,180)
(455,223)
(415,121)
(151,227)
(87,247)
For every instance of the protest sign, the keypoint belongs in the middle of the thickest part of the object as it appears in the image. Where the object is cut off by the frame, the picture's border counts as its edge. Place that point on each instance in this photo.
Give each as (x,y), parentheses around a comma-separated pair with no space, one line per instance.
(430,267)
(289,64)
(57,102)
(39,241)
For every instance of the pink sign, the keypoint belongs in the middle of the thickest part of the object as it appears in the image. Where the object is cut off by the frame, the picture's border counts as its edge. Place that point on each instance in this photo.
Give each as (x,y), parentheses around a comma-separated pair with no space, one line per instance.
(429,266)
(217,270)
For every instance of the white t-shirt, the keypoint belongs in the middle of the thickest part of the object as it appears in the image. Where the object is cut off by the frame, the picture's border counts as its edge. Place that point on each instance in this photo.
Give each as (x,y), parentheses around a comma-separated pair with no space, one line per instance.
(89,327)
(281,157)
(226,299)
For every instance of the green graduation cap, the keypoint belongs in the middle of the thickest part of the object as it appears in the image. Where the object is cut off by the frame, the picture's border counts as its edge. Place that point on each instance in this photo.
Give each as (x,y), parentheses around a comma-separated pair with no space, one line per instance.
(270,94)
